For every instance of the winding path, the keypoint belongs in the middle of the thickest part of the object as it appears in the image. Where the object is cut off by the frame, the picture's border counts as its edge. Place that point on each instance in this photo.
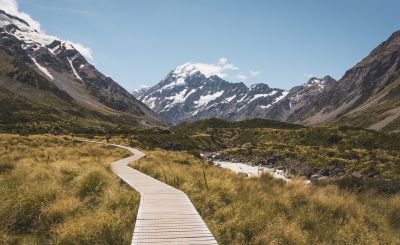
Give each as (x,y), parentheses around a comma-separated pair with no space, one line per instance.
(166,215)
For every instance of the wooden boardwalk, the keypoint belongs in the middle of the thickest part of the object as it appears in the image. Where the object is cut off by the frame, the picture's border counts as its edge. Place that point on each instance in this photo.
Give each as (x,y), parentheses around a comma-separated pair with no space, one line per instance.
(166,215)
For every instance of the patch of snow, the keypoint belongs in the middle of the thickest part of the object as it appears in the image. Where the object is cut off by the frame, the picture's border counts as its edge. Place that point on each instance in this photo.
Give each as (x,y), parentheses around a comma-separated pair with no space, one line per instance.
(262,95)
(73,69)
(284,93)
(229,99)
(42,69)
(181,96)
(150,101)
(205,99)
(319,82)
(36,40)
(53,50)
(265,106)
(241,108)
(69,46)
(241,99)
(178,82)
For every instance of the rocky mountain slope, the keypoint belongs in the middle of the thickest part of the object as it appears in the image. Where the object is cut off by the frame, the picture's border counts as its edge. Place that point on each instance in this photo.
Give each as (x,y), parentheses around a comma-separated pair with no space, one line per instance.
(39,71)
(298,99)
(368,95)
(188,94)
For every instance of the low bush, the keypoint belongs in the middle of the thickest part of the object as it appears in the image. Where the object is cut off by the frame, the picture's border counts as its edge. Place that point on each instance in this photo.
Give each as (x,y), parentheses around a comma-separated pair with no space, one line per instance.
(93,183)
(61,192)
(240,210)
(6,167)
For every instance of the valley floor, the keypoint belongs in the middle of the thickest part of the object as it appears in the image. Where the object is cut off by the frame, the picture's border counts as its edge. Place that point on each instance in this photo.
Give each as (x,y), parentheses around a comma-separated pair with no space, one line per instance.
(54,190)
(240,210)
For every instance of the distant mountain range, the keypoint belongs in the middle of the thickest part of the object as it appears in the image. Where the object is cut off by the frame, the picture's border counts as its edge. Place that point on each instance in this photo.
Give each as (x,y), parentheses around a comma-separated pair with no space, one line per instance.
(368,95)
(47,82)
(186,94)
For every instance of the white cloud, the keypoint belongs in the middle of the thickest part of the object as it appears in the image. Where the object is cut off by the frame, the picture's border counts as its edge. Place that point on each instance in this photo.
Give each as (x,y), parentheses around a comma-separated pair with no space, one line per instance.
(222,61)
(241,77)
(254,73)
(85,51)
(11,7)
(220,69)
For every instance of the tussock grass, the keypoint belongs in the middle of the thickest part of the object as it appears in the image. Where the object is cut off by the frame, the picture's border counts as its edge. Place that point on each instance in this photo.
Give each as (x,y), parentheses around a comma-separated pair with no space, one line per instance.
(262,210)
(57,191)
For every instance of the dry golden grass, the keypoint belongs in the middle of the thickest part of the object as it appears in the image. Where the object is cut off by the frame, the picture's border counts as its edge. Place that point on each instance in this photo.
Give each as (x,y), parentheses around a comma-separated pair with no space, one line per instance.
(57,191)
(239,210)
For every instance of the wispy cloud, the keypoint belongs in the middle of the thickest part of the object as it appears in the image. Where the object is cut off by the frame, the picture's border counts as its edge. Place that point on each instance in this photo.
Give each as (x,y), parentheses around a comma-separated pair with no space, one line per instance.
(254,73)
(241,77)
(85,51)
(11,7)
(221,68)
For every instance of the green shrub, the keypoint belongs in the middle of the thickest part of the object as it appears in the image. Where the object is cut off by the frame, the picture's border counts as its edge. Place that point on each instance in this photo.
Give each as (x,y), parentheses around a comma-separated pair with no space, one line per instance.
(6,167)
(93,184)
(22,210)
(68,175)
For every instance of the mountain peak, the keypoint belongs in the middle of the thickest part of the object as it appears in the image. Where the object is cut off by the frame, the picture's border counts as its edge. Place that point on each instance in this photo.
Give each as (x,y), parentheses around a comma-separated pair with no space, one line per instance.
(324,80)
(185,70)
(259,86)
(6,18)
(62,67)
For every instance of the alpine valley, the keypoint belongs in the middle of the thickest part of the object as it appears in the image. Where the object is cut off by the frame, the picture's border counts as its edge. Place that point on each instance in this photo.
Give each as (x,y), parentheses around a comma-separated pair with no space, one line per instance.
(368,95)
(197,159)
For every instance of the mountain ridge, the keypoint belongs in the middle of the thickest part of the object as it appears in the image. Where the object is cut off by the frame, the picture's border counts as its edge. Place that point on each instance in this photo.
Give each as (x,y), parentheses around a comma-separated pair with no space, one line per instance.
(187,94)
(27,53)
(366,96)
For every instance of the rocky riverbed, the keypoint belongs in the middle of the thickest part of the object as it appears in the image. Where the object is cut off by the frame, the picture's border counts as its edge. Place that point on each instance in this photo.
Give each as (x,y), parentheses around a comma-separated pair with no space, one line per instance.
(247,169)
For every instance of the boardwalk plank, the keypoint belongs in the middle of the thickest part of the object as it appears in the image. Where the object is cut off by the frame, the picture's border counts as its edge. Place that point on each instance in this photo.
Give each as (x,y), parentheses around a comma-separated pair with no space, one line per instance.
(166,215)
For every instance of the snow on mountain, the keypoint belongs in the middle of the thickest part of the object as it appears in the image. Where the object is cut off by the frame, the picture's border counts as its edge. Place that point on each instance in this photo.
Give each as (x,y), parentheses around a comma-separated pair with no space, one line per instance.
(195,91)
(287,107)
(65,66)
(42,69)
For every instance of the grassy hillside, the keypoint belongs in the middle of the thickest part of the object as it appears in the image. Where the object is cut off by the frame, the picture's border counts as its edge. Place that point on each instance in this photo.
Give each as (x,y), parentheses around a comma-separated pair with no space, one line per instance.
(30,103)
(55,191)
(239,210)
(203,125)
(199,136)
(328,151)
(383,112)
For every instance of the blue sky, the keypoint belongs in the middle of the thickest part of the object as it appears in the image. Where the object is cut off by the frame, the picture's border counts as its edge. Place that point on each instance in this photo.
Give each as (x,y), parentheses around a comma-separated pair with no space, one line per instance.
(281,42)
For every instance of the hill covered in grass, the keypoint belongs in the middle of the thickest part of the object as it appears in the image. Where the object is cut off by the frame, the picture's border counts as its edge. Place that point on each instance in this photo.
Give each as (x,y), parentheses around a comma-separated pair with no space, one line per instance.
(240,210)
(202,125)
(56,191)
(334,152)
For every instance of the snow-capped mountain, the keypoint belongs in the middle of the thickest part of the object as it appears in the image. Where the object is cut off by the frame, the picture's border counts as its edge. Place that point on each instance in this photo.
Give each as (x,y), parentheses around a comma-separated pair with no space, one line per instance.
(368,95)
(139,91)
(66,70)
(298,98)
(190,93)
